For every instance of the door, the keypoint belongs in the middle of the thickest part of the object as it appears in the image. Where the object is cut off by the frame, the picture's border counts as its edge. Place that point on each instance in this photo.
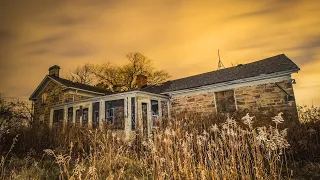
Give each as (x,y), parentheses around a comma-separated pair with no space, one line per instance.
(144,109)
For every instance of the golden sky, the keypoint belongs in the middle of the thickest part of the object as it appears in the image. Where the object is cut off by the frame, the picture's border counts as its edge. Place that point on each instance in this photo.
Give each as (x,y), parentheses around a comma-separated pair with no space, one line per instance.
(181,37)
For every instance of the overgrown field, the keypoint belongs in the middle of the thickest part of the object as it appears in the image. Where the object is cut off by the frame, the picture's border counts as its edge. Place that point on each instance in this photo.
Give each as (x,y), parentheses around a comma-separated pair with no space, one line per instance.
(186,148)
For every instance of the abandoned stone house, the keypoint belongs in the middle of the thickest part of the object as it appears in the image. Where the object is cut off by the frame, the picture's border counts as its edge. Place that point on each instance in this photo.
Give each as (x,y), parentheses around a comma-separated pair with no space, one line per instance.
(258,86)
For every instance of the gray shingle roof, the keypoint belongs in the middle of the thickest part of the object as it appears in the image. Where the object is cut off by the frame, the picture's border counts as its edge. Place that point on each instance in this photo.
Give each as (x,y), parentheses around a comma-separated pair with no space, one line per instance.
(275,64)
(71,84)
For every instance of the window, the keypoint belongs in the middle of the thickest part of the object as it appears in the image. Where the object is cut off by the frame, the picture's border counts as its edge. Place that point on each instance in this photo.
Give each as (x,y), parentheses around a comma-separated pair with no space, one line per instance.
(41,118)
(44,98)
(95,114)
(225,101)
(70,115)
(78,116)
(58,116)
(110,114)
(155,113)
(133,114)
(85,112)
(114,113)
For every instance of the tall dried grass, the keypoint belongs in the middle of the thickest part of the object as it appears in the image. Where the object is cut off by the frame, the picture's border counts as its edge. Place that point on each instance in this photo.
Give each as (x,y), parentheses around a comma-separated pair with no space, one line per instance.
(186,148)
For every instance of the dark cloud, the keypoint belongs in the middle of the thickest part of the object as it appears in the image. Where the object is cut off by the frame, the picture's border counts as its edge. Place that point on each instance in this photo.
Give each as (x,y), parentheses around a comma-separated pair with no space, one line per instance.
(102,4)
(69,21)
(76,50)
(308,50)
(257,44)
(38,52)
(272,9)
(6,35)
(255,13)
(61,20)
(49,39)
(60,45)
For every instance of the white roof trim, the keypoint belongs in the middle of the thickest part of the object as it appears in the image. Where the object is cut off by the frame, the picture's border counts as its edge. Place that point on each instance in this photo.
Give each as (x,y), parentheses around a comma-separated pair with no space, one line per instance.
(37,88)
(239,81)
(112,96)
(44,79)
(76,88)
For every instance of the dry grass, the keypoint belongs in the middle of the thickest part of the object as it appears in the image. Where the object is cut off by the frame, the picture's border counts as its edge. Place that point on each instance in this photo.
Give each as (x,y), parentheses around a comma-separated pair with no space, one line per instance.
(184,149)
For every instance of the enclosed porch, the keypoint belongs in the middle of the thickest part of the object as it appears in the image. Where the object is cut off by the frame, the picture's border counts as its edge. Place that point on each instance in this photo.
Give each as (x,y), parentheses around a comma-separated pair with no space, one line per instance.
(126,113)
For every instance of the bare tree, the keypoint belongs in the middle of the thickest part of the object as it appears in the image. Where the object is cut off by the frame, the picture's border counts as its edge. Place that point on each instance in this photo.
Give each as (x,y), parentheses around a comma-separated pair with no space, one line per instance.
(82,74)
(111,77)
(17,112)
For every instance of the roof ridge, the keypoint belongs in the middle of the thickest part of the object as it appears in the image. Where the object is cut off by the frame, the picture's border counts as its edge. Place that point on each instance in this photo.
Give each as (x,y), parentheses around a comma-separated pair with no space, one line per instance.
(228,67)
(76,83)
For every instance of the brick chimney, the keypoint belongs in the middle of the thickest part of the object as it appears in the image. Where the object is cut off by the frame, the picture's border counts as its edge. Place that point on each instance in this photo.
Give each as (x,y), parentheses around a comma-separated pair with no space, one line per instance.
(54,70)
(141,81)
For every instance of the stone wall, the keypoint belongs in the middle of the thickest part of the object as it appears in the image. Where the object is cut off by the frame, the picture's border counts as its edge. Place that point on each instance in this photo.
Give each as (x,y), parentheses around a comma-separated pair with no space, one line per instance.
(55,96)
(265,99)
(198,102)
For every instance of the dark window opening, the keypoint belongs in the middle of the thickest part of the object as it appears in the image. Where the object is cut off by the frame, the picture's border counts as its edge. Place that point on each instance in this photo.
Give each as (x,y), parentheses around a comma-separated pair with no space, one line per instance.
(95,114)
(114,113)
(85,116)
(70,115)
(133,114)
(58,116)
(144,109)
(155,113)
(225,101)
(78,114)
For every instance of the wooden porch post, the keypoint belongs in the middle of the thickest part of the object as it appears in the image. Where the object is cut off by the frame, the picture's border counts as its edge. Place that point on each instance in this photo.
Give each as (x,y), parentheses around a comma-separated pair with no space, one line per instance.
(159,112)
(102,113)
(65,117)
(74,115)
(90,115)
(127,105)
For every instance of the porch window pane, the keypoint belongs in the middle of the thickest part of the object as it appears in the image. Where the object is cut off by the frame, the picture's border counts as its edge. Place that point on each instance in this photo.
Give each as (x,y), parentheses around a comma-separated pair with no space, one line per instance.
(70,115)
(133,114)
(58,116)
(95,114)
(85,116)
(155,113)
(78,116)
(115,113)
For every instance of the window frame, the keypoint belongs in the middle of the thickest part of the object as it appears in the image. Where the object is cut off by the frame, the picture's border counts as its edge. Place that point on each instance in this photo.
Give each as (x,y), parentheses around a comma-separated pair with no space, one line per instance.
(223,99)
(155,115)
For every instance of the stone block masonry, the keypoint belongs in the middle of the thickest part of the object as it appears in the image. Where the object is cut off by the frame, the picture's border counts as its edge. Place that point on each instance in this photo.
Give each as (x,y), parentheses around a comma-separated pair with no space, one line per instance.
(54,96)
(265,99)
(268,100)
(200,102)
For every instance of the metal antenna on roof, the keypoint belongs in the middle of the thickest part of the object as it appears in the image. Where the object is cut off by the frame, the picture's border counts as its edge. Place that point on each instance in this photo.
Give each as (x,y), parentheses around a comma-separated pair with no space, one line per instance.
(220,64)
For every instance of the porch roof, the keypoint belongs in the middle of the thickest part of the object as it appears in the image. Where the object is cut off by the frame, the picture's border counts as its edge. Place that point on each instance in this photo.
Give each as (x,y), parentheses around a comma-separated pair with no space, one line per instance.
(119,95)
